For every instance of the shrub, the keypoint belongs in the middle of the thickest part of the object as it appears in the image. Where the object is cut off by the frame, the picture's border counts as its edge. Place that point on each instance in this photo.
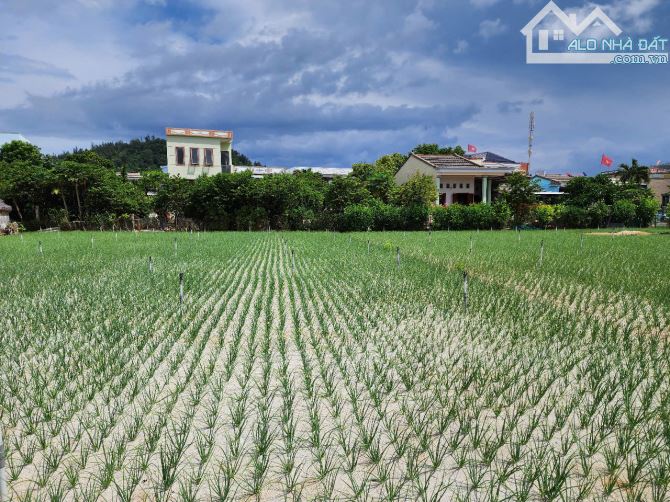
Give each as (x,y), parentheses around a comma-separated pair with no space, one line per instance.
(357,218)
(646,211)
(572,216)
(459,217)
(300,218)
(543,215)
(503,214)
(624,212)
(254,218)
(387,217)
(449,218)
(414,217)
(598,214)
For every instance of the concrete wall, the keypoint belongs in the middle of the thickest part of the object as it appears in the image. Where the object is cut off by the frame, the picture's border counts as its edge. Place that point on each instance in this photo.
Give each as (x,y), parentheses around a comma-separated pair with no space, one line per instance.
(660,185)
(455,183)
(411,167)
(4,220)
(193,172)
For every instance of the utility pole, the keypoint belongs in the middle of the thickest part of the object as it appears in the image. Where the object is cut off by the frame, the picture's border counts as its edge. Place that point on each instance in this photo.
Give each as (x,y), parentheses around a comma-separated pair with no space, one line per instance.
(531,137)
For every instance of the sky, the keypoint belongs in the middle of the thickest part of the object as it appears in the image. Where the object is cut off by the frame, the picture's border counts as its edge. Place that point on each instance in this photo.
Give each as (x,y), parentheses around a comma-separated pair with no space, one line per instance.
(328,83)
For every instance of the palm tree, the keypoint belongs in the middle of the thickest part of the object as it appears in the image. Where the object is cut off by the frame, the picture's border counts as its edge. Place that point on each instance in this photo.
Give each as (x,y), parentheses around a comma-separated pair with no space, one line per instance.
(635,173)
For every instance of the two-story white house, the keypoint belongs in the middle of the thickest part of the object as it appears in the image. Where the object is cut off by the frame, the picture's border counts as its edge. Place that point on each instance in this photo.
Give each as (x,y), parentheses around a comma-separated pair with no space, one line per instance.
(194,152)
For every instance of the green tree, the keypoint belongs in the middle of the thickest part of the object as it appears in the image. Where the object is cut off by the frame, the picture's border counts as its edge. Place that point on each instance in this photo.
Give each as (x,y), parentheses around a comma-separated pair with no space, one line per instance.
(382,186)
(583,191)
(89,158)
(174,196)
(624,211)
(518,191)
(362,170)
(634,174)
(435,149)
(74,177)
(646,211)
(345,191)
(151,181)
(27,186)
(419,190)
(20,151)
(391,163)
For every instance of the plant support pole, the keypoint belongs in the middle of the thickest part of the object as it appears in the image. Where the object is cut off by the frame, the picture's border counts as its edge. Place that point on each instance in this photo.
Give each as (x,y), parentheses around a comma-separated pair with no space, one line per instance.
(539,263)
(3,477)
(151,264)
(465,291)
(181,288)
(398,256)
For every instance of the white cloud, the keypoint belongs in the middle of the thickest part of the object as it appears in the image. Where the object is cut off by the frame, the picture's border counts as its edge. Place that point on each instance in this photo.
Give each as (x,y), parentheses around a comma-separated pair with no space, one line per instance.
(461,47)
(483,3)
(634,16)
(491,27)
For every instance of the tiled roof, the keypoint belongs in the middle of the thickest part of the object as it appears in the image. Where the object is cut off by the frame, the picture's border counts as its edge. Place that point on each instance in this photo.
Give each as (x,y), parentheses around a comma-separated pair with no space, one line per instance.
(490,157)
(451,161)
(4,207)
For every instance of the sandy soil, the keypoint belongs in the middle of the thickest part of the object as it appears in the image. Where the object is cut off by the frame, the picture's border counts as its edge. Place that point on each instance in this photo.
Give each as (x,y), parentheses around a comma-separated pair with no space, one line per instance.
(623,233)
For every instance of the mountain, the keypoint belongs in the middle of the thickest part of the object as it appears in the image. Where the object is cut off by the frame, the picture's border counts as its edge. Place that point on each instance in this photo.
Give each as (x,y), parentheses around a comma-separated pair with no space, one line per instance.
(145,154)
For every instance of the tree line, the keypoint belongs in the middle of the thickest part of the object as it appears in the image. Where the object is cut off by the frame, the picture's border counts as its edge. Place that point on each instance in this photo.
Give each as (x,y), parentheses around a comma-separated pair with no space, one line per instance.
(81,189)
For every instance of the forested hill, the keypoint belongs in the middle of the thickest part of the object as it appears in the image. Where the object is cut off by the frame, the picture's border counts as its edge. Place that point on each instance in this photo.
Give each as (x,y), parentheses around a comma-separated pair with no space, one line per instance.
(144,154)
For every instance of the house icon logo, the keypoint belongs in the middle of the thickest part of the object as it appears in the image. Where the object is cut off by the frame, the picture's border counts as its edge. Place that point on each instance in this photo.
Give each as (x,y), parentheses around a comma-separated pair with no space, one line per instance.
(553,25)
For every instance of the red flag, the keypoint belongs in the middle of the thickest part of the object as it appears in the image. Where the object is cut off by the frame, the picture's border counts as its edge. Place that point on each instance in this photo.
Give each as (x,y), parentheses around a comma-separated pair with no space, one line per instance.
(606,161)
(472,149)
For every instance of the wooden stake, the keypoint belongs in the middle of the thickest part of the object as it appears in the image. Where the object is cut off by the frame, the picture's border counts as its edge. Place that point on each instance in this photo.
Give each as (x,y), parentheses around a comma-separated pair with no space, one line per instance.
(181,288)
(465,291)
(539,263)
(151,264)
(3,477)
(398,256)
(40,248)
(368,246)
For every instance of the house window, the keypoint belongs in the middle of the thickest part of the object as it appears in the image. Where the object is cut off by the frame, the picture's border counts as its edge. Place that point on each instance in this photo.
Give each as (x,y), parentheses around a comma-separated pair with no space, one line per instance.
(209,157)
(461,185)
(559,35)
(195,157)
(441,186)
(179,152)
(447,185)
(467,185)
